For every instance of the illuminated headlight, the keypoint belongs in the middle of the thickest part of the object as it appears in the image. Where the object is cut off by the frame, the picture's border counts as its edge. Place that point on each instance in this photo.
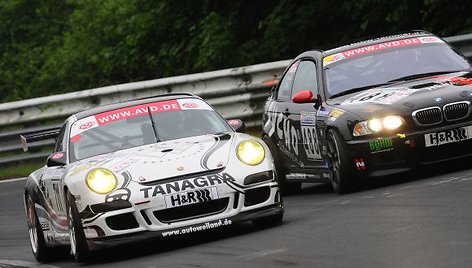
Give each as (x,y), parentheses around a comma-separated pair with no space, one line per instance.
(101,181)
(250,152)
(391,122)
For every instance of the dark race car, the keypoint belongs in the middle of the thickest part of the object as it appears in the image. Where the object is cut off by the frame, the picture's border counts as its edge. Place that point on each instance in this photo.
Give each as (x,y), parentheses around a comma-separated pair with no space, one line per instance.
(371,108)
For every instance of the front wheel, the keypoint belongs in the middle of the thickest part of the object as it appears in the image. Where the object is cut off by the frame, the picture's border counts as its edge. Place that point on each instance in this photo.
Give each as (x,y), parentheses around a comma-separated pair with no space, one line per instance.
(41,252)
(78,245)
(340,179)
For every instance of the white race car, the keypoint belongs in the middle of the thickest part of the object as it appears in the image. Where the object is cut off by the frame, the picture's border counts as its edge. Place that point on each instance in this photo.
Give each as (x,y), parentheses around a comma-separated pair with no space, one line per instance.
(162,166)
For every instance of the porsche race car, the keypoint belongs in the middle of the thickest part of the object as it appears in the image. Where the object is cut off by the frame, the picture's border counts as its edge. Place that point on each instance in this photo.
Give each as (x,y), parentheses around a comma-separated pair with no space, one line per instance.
(157,167)
(368,109)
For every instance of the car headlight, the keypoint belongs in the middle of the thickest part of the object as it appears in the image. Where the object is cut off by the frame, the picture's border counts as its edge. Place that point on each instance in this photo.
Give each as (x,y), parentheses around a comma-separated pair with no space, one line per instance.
(101,181)
(390,122)
(250,152)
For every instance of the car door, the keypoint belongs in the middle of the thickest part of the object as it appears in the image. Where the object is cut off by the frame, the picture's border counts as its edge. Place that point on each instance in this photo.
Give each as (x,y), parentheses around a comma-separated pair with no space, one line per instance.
(278,122)
(303,115)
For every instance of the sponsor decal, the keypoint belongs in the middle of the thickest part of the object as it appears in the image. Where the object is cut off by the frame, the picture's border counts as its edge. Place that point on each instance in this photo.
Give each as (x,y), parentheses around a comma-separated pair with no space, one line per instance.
(448,136)
(381,95)
(44,225)
(57,155)
(138,110)
(379,47)
(285,132)
(191,197)
(401,135)
(381,145)
(197,228)
(335,114)
(233,122)
(187,184)
(323,111)
(87,125)
(430,39)
(360,165)
(333,58)
(190,105)
(307,119)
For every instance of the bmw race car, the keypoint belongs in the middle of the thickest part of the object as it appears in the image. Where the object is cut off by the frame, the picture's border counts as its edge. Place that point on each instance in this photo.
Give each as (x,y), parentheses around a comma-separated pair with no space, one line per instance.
(163,166)
(371,108)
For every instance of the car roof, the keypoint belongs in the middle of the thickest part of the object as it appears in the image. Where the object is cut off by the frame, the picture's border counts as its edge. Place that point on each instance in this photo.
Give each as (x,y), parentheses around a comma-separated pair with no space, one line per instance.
(114,106)
(377,40)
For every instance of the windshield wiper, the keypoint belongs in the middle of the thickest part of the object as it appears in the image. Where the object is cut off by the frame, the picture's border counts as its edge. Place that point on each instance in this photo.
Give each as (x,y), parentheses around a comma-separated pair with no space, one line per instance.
(414,76)
(356,89)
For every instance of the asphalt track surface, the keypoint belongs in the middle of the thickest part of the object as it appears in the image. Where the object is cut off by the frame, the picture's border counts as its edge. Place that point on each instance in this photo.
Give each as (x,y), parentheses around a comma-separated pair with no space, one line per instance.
(421,219)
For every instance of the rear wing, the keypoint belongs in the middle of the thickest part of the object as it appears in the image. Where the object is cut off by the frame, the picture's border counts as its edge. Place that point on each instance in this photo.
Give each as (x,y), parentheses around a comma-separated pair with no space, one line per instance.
(43,134)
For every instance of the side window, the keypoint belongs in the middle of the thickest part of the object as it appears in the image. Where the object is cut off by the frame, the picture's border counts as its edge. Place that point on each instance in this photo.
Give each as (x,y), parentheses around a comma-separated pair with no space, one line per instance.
(305,78)
(283,93)
(60,139)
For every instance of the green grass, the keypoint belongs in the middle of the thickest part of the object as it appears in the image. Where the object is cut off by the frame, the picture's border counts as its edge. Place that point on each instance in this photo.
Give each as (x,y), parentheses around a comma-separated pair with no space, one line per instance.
(19,171)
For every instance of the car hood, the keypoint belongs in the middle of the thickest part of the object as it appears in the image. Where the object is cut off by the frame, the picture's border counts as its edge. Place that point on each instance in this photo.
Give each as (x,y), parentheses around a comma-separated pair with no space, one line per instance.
(167,159)
(408,96)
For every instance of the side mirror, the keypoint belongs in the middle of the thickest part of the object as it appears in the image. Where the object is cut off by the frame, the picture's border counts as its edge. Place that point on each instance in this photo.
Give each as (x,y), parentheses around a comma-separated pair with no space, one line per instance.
(307,96)
(56,159)
(236,124)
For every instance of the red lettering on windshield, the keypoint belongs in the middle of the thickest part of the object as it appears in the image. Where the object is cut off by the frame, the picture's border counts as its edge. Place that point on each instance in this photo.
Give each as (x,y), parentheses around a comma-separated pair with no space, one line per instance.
(381,46)
(138,110)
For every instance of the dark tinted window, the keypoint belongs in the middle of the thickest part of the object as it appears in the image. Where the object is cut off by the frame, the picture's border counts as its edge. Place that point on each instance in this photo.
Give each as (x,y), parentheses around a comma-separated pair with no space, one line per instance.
(59,147)
(283,93)
(305,78)
(384,65)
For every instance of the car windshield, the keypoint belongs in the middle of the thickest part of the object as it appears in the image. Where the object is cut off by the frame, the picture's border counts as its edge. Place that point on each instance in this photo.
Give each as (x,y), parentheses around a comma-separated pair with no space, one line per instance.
(142,124)
(380,63)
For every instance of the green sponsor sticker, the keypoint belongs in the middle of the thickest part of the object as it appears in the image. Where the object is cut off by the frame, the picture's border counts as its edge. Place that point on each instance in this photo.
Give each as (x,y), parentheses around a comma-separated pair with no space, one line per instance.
(381,145)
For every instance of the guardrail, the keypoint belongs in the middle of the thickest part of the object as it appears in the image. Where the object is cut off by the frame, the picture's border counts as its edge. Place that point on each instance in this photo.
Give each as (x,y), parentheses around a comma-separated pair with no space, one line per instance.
(235,93)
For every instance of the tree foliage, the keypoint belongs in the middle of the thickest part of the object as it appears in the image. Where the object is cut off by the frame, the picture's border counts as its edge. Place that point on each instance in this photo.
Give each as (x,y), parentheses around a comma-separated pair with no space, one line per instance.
(56,46)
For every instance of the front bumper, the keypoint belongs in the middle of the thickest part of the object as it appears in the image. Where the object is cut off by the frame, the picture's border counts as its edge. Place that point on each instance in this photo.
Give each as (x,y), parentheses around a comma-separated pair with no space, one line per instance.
(145,215)
(98,243)
(405,151)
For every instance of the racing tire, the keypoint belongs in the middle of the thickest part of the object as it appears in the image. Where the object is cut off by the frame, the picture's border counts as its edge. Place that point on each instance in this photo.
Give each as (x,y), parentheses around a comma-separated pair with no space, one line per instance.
(78,245)
(42,253)
(268,221)
(286,188)
(339,173)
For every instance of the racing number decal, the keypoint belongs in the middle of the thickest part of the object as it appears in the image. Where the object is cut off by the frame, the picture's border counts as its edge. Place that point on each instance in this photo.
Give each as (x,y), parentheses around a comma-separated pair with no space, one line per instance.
(309,135)
(310,142)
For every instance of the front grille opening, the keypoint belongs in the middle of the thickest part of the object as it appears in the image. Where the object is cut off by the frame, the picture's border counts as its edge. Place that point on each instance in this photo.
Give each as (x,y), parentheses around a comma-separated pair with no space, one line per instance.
(192,211)
(428,116)
(456,111)
(259,177)
(236,200)
(256,196)
(145,217)
(122,222)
